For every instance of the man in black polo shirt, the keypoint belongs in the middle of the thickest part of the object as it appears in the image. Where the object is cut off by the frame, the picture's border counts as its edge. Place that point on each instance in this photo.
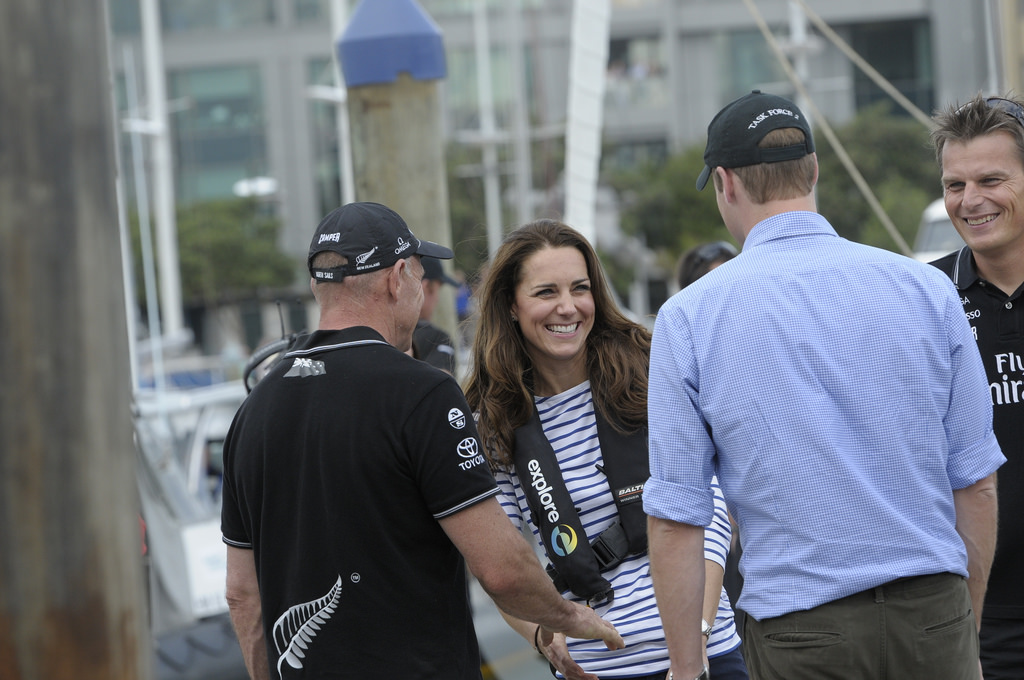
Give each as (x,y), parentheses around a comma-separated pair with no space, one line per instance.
(432,344)
(356,494)
(980,149)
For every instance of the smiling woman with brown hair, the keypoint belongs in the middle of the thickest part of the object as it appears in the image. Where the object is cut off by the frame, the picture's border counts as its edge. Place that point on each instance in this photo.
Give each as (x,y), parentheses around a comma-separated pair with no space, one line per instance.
(559,383)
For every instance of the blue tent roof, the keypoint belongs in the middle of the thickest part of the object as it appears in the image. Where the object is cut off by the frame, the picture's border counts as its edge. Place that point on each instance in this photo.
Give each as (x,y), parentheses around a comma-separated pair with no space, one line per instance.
(388,37)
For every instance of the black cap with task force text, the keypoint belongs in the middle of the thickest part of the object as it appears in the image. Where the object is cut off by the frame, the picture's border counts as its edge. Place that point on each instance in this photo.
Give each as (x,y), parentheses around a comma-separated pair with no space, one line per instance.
(734,134)
(372,236)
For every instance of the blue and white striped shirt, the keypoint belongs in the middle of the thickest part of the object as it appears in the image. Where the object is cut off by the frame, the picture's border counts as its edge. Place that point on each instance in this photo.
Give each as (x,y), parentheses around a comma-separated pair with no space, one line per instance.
(569,423)
(838,393)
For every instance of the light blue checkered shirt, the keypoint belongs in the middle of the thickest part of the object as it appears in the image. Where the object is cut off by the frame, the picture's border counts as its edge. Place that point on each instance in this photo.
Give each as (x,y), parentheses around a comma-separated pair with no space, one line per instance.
(838,393)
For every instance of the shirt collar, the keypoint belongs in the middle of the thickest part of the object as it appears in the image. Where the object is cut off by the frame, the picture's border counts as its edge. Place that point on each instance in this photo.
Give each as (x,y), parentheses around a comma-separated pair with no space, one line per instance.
(964,273)
(350,334)
(787,224)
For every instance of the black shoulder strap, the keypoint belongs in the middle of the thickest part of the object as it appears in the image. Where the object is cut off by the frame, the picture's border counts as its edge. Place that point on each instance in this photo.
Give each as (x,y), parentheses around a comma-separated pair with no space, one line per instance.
(575,563)
(627,466)
(555,515)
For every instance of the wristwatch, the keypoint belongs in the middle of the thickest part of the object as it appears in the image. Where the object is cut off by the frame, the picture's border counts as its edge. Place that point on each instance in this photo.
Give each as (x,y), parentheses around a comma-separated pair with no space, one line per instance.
(703,675)
(705,628)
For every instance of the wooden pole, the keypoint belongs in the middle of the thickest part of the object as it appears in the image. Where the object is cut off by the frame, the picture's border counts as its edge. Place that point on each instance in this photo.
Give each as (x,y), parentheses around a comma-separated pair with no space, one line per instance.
(398,160)
(71,587)
(392,57)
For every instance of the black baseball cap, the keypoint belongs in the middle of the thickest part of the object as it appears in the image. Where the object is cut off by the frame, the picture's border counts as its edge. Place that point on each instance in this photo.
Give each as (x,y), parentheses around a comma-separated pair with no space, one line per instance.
(433,271)
(735,132)
(372,236)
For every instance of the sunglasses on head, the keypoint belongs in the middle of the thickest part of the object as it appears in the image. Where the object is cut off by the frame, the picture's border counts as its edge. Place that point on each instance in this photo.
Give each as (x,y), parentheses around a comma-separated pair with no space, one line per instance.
(709,252)
(1006,106)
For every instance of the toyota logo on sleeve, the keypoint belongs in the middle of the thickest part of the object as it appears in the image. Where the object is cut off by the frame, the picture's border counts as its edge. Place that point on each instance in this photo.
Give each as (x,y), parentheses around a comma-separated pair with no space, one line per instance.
(468,447)
(470,450)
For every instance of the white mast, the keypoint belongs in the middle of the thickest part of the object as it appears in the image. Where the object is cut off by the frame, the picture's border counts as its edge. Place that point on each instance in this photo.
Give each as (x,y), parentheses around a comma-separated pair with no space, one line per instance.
(587,65)
(339,19)
(520,119)
(489,151)
(163,180)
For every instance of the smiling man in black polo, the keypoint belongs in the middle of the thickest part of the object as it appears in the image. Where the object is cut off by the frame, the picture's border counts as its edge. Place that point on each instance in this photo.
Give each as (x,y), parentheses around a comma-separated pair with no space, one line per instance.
(980,149)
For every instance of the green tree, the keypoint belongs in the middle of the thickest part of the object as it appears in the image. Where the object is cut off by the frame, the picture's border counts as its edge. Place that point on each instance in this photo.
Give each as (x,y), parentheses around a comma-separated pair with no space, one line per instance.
(661,204)
(896,160)
(227,251)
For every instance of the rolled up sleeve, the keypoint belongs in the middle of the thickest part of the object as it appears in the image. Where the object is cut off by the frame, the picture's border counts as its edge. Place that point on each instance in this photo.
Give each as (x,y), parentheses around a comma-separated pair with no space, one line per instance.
(681,450)
(974,452)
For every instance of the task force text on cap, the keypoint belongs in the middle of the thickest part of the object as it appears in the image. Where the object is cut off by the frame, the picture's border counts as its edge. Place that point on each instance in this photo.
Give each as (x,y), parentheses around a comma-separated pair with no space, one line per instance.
(734,134)
(371,236)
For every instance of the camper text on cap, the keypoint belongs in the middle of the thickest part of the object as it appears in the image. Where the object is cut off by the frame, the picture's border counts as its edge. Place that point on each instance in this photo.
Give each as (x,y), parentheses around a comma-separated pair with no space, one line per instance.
(371,237)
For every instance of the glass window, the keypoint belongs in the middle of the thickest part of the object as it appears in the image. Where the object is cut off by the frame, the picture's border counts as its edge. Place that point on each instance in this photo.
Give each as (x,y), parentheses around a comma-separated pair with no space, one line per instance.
(450,7)
(441,7)
(901,52)
(747,62)
(462,97)
(324,118)
(630,155)
(219,134)
(309,11)
(124,17)
(222,15)
(636,75)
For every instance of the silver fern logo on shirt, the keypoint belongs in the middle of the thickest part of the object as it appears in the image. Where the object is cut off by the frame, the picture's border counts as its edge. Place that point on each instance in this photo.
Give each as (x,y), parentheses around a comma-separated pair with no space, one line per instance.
(295,629)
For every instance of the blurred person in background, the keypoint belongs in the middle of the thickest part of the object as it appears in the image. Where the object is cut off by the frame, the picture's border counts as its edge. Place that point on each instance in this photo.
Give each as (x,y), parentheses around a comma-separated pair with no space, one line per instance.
(559,384)
(430,343)
(699,260)
(980,150)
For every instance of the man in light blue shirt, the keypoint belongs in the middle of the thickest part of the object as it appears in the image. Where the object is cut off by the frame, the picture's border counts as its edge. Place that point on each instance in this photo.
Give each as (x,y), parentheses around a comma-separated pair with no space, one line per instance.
(838,393)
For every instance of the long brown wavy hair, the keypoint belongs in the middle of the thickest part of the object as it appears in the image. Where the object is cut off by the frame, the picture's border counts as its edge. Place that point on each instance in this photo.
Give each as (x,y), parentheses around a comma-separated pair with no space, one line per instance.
(500,384)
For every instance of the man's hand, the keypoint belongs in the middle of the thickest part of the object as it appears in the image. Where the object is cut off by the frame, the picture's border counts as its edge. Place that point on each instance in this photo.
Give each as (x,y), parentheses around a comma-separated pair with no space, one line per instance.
(554,649)
(587,625)
(507,568)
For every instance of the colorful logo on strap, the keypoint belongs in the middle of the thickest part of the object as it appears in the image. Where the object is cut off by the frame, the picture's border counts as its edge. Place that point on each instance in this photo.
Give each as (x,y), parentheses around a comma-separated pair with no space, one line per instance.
(563,540)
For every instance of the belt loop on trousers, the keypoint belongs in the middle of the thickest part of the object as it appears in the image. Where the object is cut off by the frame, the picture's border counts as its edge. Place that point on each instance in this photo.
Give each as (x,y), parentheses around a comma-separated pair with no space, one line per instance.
(879,594)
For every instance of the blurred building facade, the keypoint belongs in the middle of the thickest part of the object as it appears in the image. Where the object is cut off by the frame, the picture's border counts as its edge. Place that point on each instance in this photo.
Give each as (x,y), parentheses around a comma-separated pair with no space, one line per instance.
(1011,57)
(241,79)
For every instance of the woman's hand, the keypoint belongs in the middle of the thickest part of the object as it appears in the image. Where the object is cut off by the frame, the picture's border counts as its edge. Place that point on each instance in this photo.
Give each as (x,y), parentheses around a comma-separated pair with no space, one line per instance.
(554,649)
